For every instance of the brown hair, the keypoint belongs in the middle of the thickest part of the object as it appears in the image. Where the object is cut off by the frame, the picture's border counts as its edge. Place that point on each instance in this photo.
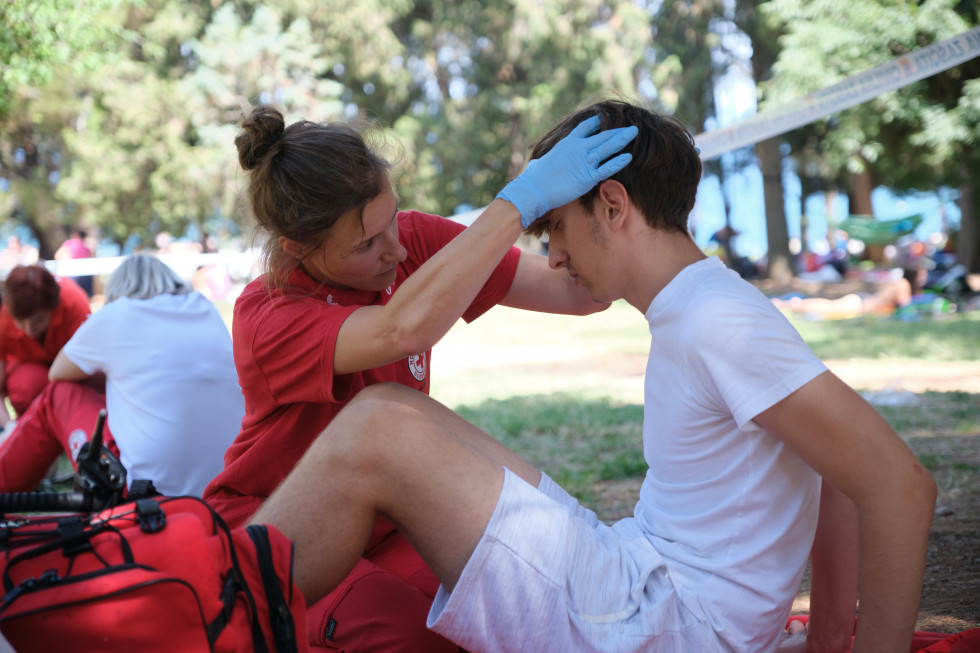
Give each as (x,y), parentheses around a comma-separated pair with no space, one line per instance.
(30,289)
(662,178)
(302,179)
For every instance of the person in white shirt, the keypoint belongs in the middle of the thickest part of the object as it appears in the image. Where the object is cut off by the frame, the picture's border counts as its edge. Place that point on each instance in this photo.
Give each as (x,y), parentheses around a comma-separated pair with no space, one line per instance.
(171,390)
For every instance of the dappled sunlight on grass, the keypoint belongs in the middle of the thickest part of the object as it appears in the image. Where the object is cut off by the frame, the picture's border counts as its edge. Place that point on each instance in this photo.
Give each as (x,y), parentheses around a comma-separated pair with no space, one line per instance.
(951,338)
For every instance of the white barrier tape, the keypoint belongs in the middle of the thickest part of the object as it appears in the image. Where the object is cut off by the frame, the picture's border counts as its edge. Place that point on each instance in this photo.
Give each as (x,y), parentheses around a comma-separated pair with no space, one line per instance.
(184,264)
(856,89)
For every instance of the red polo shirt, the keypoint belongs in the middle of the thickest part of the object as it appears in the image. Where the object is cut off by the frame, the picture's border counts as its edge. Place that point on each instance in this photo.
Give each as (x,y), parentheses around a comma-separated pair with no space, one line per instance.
(284,345)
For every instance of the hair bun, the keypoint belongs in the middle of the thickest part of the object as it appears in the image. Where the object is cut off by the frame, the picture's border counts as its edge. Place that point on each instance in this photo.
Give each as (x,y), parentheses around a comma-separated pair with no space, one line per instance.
(261,131)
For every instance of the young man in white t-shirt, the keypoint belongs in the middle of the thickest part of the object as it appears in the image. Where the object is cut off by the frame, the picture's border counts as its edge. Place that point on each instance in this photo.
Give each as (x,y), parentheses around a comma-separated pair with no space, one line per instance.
(759,457)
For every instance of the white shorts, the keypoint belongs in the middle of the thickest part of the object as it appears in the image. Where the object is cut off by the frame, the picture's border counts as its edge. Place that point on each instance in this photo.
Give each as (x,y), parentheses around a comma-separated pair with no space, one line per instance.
(548,576)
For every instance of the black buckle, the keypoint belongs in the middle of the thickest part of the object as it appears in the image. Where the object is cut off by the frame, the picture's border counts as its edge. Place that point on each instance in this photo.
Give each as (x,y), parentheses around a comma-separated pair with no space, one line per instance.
(151,515)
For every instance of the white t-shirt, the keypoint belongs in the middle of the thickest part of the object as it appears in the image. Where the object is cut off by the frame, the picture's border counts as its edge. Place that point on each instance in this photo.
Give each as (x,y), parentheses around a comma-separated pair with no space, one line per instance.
(172,394)
(729,506)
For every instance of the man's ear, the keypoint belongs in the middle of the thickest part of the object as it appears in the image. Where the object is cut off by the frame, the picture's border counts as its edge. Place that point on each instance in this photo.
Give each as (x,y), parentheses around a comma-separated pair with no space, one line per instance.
(292,248)
(613,203)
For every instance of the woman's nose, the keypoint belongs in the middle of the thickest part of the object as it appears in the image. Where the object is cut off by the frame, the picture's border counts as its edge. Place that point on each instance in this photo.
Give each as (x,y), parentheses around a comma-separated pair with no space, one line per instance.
(396,253)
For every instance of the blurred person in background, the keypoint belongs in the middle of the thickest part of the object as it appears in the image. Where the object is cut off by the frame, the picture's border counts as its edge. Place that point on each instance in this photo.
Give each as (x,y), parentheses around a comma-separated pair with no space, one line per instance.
(40,313)
(170,387)
(75,247)
(887,298)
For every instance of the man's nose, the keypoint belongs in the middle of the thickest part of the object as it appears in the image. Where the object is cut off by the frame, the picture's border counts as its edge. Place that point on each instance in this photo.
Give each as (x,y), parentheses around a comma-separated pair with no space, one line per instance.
(556,256)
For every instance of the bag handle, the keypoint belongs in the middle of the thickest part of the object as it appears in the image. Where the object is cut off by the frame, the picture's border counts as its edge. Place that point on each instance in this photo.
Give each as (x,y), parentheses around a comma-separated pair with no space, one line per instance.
(280,617)
(235,573)
(73,540)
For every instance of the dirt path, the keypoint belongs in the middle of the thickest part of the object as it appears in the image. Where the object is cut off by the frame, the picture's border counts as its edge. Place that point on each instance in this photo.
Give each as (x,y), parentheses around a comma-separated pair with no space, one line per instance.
(871,375)
(912,377)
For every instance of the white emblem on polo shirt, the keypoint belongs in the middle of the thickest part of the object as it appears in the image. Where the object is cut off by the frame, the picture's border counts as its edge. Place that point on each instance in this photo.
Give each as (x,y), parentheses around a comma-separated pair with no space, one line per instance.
(76,439)
(416,364)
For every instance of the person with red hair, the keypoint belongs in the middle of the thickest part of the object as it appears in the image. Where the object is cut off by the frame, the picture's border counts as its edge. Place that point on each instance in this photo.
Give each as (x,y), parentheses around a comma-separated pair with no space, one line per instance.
(40,312)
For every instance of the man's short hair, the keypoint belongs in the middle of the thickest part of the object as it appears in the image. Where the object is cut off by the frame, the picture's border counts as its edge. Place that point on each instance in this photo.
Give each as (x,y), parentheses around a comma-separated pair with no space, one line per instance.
(662,179)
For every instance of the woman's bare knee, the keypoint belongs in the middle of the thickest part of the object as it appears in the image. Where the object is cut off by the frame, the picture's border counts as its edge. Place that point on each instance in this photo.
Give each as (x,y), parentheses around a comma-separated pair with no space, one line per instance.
(393,392)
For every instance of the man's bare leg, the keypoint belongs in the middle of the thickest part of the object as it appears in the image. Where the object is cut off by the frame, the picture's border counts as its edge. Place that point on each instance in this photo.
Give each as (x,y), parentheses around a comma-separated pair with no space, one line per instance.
(394,452)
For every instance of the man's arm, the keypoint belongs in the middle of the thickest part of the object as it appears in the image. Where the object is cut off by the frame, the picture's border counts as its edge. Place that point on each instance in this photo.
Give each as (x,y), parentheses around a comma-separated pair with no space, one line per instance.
(833,574)
(855,450)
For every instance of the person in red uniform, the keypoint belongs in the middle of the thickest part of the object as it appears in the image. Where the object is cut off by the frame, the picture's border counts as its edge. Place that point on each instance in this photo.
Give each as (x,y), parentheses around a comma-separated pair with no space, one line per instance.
(355,293)
(40,313)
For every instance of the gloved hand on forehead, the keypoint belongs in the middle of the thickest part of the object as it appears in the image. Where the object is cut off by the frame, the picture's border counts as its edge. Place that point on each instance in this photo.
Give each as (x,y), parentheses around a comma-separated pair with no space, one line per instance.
(569,170)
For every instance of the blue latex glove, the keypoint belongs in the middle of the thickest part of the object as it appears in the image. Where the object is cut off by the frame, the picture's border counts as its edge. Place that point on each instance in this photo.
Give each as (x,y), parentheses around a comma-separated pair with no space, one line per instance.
(569,170)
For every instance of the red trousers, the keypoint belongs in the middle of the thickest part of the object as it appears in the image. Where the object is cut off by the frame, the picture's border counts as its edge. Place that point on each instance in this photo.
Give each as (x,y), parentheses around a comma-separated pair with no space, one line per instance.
(25,380)
(380,607)
(61,418)
(966,641)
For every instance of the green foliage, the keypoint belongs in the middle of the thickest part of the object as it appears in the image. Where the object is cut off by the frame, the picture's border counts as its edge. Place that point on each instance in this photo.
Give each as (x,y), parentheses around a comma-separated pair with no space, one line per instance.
(689,57)
(146,143)
(488,91)
(135,104)
(37,37)
(911,137)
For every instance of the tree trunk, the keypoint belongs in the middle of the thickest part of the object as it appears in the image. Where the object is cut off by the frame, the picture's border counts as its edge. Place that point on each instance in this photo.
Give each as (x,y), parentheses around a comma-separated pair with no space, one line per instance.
(45,245)
(804,224)
(830,207)
(860,203)
(968,240)
(764,53)
(780,262)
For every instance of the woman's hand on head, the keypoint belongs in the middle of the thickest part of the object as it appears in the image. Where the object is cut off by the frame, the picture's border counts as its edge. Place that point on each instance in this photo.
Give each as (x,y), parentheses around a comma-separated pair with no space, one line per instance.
(569,170)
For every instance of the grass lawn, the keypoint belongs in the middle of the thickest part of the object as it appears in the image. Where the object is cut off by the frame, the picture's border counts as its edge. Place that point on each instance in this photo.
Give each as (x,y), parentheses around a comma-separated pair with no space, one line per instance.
(948,338)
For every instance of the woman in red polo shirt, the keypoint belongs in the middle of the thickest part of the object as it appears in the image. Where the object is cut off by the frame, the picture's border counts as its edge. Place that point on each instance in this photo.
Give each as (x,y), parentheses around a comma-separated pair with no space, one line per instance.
(355,292)
(40,313)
